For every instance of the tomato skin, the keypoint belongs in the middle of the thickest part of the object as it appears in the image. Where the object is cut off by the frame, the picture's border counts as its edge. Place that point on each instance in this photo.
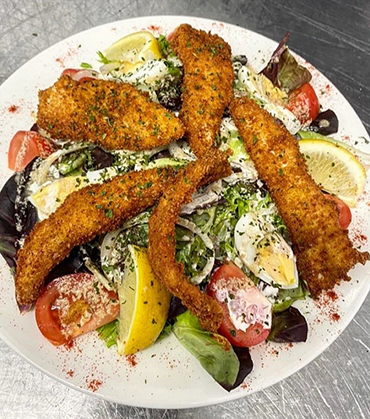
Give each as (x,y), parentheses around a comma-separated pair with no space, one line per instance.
(25,146)
(254,334)
(344,212)
(304,103)
(79,74)
(48,312)
(70,72)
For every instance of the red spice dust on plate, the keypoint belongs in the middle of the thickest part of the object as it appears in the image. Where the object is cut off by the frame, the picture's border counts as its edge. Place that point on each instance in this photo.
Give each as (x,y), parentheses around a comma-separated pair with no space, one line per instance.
(132,360)
(13,109)
(327,306)
(94,385)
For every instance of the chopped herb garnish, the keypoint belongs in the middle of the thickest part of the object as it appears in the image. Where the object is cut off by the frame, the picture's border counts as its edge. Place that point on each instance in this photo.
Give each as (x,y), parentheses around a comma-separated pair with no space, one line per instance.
(102,58)
(86,65)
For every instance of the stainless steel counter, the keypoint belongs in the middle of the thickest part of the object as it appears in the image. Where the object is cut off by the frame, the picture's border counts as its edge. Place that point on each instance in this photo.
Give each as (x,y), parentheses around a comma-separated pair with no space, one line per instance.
(334,36)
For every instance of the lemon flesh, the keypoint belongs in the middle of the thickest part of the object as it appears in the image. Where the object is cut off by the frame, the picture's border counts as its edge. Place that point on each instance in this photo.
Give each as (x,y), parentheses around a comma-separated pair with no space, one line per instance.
(144,304)
(335,169)
(51,196)
(133,51)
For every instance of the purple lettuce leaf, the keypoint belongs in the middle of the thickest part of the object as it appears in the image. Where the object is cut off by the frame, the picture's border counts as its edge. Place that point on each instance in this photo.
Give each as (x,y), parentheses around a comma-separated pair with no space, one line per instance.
(326,123)
(17,216)
(245,366)
(17,219)
(288,326)
(283,70)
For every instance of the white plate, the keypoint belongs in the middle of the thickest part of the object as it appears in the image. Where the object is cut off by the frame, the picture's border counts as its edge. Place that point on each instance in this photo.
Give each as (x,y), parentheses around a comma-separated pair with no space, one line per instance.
(166,375)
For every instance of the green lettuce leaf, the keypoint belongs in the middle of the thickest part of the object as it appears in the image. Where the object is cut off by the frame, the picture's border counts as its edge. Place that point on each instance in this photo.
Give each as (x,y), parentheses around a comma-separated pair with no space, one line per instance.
(286,297)
(213,351)
(108,333)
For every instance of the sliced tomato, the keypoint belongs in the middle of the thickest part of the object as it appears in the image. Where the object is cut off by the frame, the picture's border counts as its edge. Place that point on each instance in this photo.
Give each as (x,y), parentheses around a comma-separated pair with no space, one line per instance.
(73,305)
(303,103)
(79,74)
(227,281)
(345,215)
(70,72)
(25,146)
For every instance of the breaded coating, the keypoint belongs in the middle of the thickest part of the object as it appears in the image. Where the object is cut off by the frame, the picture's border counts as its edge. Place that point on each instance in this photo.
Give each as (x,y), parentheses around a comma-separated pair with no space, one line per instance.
(114,115)
(324,251)
(86,213)
(161,249)
(207,84)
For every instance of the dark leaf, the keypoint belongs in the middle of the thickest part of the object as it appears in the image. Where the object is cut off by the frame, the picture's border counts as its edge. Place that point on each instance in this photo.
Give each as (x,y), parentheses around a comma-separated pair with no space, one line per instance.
(176,308)
(35,128)
(242,59)
(17,216)
(70,265)
(288,326)
(17,219)
(284,71)
(163,154)
(101,158)
(245,367)
(272,68)
(326,123)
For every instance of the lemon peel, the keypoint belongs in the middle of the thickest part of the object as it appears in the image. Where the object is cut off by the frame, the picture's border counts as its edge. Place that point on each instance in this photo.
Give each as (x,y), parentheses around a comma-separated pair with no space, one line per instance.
(144,304)
(334,168)
(133,51)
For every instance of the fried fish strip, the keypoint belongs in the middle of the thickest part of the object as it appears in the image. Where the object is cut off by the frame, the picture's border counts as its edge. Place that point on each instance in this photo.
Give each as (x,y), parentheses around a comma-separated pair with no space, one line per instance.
(86,213)
(161,249)
(207,84)
(115,115)
(324,252)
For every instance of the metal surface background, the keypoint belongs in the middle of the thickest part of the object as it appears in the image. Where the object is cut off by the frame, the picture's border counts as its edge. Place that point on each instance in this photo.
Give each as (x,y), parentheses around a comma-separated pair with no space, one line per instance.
(334,36)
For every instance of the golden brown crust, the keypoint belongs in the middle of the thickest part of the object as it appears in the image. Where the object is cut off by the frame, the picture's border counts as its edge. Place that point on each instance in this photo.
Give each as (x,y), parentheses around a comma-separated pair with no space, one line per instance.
(324,252)
(161,249)
(115,115)
(207,84)
(86,213)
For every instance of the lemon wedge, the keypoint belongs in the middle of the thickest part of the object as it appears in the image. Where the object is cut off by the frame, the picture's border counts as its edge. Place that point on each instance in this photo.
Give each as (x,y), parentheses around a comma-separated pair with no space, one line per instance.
(133,51)
(334,168)
(144,304)
(48,198)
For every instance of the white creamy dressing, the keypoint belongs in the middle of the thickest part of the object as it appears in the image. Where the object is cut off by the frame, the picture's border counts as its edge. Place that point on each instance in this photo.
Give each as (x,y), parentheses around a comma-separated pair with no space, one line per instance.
(247,305)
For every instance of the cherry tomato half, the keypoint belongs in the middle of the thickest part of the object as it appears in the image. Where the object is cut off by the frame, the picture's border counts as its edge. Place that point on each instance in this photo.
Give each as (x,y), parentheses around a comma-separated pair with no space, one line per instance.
(25,146)
(303,103)
(345,215)
(73,305)
(231,279)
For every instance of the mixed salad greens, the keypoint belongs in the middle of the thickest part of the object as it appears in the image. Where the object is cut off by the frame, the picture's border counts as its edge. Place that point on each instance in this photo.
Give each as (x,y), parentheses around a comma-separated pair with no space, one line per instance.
(233,219)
